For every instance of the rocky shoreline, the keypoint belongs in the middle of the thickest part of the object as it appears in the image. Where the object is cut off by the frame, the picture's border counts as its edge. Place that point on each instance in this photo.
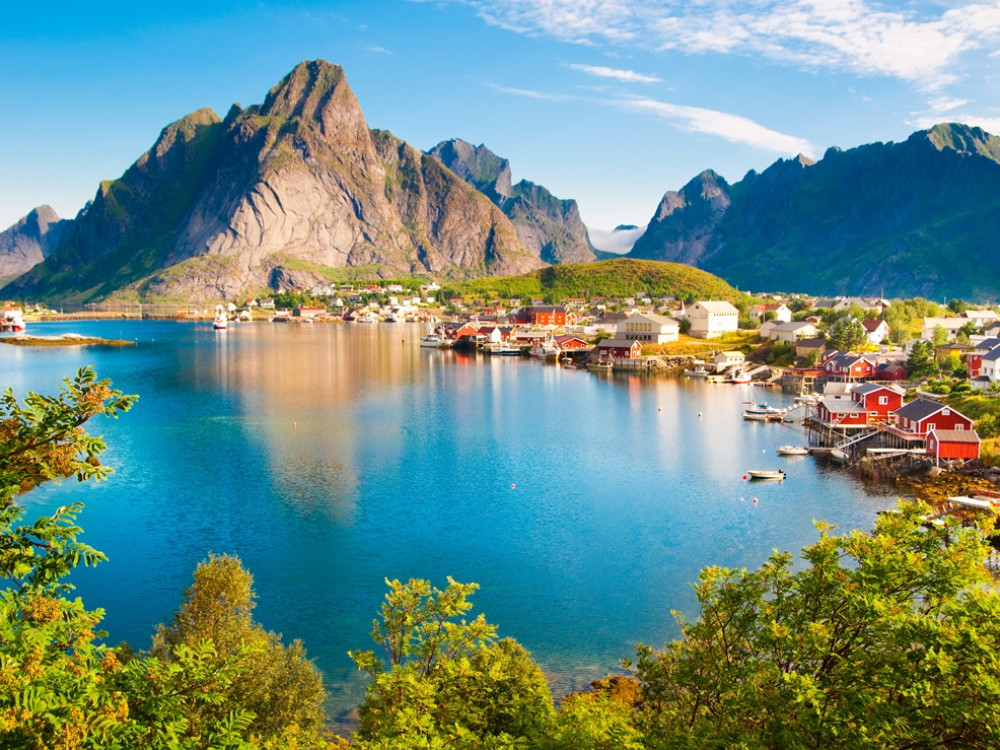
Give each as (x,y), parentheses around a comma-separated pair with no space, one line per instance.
(66,339)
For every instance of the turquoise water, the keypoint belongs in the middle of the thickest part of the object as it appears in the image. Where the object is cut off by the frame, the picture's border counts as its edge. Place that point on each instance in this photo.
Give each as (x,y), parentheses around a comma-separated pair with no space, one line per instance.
(330,457)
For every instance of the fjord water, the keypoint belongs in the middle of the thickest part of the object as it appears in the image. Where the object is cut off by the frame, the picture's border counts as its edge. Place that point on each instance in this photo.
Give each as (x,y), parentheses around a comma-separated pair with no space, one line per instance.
(331,457)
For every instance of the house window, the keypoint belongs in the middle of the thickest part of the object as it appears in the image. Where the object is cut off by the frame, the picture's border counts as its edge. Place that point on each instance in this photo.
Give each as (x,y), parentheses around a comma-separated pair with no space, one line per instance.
(883,400)
(960,427)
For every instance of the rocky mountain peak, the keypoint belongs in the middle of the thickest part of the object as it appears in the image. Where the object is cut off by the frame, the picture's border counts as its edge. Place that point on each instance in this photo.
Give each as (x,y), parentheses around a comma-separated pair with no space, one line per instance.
(317,94)
(963,139)
(477,165)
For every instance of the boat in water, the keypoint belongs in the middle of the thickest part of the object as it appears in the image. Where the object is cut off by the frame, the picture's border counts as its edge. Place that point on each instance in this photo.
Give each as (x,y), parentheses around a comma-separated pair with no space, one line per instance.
(221,321)
(764,413)
(544,349)
(13,319)
(503,348)
(773,474)
(740,376)
(792,450)
(699,370)
(435,341)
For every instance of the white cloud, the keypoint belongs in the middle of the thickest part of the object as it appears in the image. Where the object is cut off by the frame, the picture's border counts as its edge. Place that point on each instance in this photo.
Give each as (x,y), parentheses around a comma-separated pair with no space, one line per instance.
(627,76)
(722,124)
(944,104)
(920,42)
(528,93)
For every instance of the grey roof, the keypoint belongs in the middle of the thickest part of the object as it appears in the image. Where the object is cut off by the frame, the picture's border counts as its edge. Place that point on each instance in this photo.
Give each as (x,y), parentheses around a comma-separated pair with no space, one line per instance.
(615,344)
(841,405)
(920,408)
(957,436)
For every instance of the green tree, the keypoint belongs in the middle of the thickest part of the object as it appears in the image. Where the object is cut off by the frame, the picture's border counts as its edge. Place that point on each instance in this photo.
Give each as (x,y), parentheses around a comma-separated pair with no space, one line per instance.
(920,361)
(847,334)
(883,640)
(277,684)
(939,335)
(444,681)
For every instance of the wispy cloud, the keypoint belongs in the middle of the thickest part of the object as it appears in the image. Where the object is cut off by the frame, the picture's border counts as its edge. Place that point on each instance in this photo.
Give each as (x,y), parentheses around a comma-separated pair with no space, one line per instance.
(529,93)
(378,50)
(626,76)
(724,125)
(920,43)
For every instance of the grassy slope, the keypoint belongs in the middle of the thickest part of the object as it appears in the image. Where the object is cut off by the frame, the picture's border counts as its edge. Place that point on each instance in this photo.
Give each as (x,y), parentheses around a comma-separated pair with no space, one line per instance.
(620,277)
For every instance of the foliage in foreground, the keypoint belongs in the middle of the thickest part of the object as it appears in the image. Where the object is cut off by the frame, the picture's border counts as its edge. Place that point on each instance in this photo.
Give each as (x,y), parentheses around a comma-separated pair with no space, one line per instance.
(60,687)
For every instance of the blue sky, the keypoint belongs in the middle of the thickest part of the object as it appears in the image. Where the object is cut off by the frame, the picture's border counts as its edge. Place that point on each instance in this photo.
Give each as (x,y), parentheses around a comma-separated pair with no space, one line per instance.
(610,102)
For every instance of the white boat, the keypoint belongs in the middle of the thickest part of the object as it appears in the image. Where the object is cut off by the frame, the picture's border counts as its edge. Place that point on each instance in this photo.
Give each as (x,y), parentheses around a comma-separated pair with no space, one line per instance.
(13,319)
(716,378)
(503,348)
(435,341)
(221,321)
(838,455)
(544,349)
(777,474)
(792,450)
(740,376)
(699,370)
(764,413)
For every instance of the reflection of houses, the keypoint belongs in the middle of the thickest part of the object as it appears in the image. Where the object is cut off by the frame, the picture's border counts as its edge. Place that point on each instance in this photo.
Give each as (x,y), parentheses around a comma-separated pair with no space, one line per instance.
(712,319)
(618,349)
(656,329)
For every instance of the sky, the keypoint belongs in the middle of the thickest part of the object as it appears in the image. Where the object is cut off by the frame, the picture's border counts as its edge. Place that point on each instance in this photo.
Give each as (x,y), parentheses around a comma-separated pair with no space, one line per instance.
(609,102)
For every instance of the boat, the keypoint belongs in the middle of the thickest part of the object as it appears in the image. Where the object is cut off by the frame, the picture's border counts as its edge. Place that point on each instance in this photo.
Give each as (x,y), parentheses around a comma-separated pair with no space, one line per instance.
(764,413)
(716,378)
(435,341)
(699,370)
(777,474)
(792,450)
(503,348)
(603,366)
(740,376)
(838,455)
(221,321)
(13,319)
(544,349)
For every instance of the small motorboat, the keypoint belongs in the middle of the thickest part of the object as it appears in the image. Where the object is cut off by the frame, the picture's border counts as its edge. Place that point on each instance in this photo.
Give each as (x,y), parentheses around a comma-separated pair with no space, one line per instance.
(764,413)
(777,474)
(792,450)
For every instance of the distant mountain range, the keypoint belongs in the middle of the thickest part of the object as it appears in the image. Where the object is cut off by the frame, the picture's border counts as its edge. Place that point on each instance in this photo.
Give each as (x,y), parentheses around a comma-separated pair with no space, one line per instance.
(299,190)
(917,218)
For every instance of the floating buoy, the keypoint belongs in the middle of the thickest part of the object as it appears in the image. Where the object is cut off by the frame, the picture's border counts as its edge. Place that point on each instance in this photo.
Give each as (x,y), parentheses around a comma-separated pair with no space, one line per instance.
(658,408)
(742,499)
(295,425)
(755,501)
(744,476)
(699,414)
(512,485)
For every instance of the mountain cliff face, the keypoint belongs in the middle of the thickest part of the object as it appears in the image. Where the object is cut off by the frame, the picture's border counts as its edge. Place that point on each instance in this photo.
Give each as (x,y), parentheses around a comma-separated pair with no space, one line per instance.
(278,194)
(550,228)
(917,218)
(30,241)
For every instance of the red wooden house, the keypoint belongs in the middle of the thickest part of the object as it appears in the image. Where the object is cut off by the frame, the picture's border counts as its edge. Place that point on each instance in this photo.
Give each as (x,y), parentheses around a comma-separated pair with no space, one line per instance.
(879,401)
(547,315)
(569,343)
(619,349)
(922,415)
(974,356)
(842,413)
(962,445)
(848,366)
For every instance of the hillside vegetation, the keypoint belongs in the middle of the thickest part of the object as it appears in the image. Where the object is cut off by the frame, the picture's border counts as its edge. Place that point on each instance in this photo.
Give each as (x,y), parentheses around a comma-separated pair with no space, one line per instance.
(621,277)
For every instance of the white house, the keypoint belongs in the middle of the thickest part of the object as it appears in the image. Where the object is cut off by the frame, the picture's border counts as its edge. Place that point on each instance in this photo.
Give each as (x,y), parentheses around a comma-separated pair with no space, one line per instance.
(950,326)
(657,329)
(722,360)
(782,312)
(710,320)
(792,332)
(876,330)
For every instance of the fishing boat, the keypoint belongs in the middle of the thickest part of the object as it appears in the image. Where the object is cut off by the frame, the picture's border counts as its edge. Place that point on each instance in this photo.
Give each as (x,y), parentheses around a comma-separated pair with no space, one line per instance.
(763,413)
(698,370)
(502,348)
(716,378)
(602,366)
(740,376)
(435,341)
(776,474)
(792,450)
(544,349)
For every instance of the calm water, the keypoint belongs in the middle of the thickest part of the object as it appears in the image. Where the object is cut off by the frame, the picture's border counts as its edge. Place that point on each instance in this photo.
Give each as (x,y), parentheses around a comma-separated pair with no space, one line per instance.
(330,457)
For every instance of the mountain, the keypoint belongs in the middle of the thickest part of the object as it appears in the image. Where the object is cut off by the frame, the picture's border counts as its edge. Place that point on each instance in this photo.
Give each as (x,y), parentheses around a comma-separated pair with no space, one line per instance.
(30,241)
(287,193)
(550,228)
(916,218)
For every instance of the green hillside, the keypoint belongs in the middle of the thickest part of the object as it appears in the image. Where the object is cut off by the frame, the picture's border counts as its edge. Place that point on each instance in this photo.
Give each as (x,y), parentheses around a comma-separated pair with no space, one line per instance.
(620,277)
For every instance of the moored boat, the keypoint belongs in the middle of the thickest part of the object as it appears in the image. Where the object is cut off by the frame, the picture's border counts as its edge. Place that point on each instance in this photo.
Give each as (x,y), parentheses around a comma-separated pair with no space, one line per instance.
(544,349)
(777,474)
(792,450)
(435,341)
(763,413)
